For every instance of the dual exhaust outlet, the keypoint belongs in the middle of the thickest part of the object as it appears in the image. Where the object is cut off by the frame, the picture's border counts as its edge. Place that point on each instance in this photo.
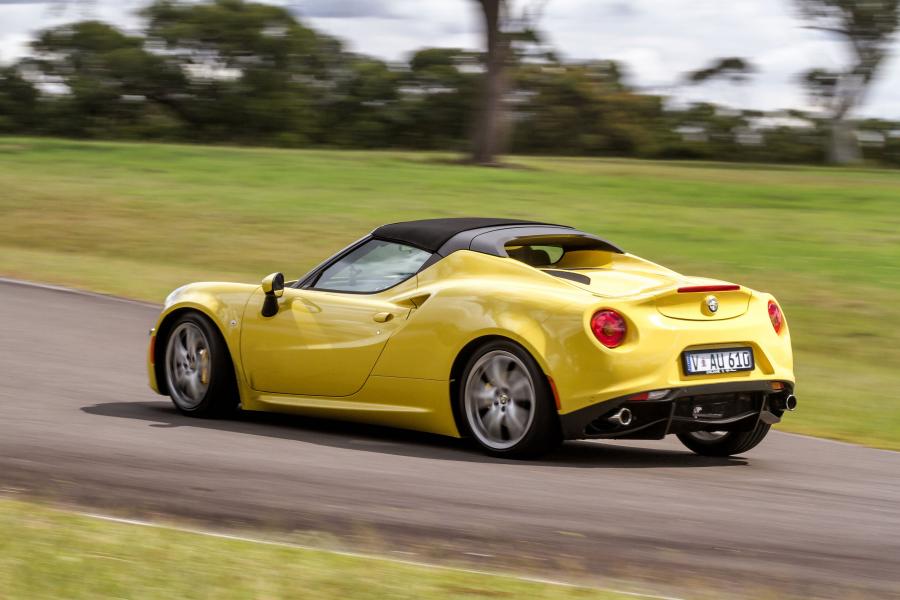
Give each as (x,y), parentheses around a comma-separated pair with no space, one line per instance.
(624,417)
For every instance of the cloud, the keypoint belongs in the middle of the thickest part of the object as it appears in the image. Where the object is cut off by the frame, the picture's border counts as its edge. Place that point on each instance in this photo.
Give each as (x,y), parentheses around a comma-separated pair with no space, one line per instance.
(343,9)
(623,9)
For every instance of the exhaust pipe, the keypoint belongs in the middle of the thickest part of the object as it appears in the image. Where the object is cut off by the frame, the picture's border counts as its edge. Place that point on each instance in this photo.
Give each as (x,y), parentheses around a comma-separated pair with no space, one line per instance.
(787,402)
(790,403)
(622,418)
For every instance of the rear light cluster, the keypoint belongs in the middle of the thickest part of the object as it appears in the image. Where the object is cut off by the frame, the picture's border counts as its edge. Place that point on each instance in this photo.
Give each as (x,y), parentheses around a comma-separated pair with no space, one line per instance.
(775,316)
(654,395)
(609,327)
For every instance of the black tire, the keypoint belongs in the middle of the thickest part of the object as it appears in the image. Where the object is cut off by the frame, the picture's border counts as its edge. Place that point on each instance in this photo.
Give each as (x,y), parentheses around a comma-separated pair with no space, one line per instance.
(218,397)
(734,442)
(541,434)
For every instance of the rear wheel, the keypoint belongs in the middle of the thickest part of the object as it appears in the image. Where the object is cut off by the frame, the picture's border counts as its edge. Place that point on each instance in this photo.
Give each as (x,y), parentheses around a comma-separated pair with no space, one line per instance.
(506,402)
(199,372)
(724,443)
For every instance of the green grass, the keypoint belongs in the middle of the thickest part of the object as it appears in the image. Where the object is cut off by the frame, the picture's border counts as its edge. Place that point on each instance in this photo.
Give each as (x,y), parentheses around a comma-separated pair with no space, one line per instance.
(52,554)
(139,220)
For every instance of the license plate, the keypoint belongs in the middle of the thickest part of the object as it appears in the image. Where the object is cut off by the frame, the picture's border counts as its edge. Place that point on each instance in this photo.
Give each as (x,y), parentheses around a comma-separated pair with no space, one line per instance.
(712,362)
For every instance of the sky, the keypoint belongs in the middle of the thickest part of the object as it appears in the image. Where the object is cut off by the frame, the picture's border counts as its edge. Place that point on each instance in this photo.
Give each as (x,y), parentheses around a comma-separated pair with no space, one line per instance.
(657,40)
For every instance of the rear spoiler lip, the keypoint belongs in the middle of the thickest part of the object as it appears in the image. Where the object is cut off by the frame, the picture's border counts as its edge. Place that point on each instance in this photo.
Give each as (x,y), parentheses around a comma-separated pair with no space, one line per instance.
(689,289)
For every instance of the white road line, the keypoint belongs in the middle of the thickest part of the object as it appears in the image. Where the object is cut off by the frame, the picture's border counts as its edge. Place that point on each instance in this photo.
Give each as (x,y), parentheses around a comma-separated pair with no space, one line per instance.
(400,561)
(68,290)
(830,441)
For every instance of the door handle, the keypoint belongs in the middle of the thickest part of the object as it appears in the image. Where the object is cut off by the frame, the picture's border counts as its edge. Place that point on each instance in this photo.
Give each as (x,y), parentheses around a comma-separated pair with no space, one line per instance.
(383,317)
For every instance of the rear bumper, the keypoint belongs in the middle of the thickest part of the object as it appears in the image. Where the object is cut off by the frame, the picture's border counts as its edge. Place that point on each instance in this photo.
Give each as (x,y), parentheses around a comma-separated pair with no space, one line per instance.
(732,406)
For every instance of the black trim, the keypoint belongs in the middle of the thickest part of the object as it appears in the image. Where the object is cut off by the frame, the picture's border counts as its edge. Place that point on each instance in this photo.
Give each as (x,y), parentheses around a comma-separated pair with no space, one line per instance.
(494,242)
(465,239)
(575,424)
(270,306)
(576,277)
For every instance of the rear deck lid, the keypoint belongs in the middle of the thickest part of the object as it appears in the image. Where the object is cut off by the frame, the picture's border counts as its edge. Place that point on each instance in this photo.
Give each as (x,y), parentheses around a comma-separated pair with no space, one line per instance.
(704,301)
(674,295)
(614,283)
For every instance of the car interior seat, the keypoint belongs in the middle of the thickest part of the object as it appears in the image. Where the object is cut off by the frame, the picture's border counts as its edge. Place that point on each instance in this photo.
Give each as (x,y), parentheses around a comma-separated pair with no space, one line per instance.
(530,256)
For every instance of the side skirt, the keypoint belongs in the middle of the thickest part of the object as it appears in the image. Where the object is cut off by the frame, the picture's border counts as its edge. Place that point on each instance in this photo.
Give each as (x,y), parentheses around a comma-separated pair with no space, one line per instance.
(417,404)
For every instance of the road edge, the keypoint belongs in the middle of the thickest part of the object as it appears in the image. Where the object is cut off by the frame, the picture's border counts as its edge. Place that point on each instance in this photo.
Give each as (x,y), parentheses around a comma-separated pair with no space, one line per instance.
(76,291)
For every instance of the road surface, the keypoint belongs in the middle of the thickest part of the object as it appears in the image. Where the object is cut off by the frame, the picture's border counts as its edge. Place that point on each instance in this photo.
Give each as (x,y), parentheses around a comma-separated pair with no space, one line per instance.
(799,516)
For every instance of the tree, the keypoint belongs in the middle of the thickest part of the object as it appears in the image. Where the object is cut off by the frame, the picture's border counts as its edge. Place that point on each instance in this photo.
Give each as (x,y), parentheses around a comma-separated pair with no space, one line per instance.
(438,91)
(733,68)
(360,104)
(507,36)
(253,71)
(107,77)
(582,108)
(487,137)
(867,27)
(18,101)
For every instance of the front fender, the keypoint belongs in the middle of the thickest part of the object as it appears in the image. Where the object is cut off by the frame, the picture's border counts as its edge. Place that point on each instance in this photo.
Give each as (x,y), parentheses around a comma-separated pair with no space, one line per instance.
(222,303)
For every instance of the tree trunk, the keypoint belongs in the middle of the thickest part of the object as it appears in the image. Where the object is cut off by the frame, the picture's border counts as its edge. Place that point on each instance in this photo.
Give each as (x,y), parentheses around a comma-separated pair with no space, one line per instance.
(843,145)
(489,133)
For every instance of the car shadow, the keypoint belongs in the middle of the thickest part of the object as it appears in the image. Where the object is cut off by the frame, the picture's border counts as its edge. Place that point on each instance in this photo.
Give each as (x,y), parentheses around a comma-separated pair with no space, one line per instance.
(386,440)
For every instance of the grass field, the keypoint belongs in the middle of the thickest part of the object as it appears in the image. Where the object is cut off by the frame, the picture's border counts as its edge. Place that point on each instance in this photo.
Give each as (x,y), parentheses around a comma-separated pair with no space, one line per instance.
(139,220)
(48,554)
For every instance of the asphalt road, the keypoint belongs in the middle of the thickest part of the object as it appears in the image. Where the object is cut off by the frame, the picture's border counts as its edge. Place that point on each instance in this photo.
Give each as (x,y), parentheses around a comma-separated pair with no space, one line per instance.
(806,517)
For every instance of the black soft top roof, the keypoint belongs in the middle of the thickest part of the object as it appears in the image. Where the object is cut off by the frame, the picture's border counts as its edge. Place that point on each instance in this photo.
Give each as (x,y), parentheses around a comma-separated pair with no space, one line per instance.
(431,234)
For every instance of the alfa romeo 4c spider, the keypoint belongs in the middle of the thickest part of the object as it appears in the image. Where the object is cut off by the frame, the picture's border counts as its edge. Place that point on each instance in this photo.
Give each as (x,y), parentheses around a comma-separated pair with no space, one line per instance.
(515,334)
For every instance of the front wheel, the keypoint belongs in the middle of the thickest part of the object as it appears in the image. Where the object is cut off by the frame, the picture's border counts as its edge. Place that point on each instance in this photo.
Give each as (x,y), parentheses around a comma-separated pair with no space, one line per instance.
(724,443)
(199,372)
(507,403)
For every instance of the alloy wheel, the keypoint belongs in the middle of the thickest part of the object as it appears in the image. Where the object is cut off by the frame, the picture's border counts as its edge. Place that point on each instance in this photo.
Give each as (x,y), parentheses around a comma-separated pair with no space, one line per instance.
(499,400)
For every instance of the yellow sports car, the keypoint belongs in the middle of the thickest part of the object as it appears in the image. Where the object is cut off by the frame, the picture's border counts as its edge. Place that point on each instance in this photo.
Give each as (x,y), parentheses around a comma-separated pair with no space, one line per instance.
(515,333)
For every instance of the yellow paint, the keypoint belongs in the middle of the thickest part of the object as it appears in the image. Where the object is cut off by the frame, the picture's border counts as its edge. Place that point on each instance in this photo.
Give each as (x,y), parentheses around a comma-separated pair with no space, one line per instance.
(336,355)
(319,343)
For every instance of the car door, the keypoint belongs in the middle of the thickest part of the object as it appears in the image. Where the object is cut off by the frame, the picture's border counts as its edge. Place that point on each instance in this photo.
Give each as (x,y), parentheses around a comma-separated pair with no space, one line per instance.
(326,338)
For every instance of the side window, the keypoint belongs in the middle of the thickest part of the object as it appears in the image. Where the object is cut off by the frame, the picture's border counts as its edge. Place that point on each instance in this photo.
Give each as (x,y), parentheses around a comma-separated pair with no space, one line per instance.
(374,266)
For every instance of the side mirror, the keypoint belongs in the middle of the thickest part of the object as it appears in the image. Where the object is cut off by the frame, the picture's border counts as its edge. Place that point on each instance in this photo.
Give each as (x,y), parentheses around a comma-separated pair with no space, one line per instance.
(273,285)
(273,288)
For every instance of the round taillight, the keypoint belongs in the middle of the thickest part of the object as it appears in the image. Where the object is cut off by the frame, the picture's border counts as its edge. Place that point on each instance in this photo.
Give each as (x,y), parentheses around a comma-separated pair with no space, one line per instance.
(609,328)
(775,316)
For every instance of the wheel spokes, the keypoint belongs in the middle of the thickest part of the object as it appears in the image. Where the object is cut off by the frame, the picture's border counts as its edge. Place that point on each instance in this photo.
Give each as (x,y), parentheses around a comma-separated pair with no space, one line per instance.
(516,419)
(484,396)
(519,385)
(499,399)
(497,371)
(493,422)
(187,362)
